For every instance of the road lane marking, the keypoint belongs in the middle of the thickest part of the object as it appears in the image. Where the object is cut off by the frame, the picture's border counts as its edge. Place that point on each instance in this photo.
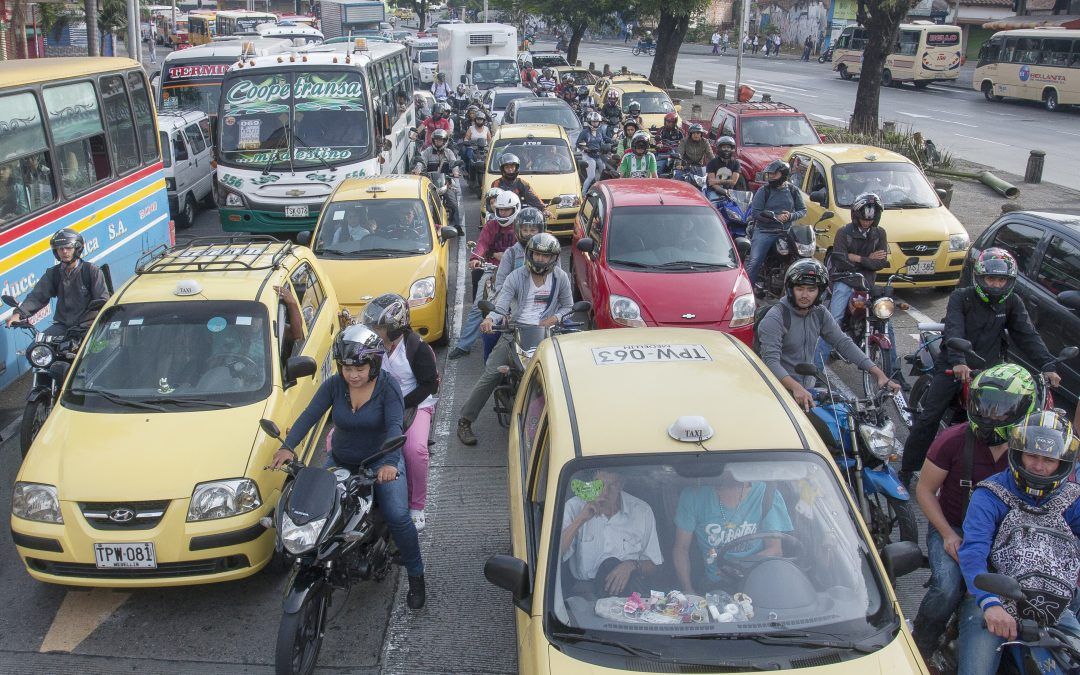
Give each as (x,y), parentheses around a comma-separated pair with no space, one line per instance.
(936,119)
(773,84)
(949,112)
(983,140)
(827,117)
(79,615)
(918,316)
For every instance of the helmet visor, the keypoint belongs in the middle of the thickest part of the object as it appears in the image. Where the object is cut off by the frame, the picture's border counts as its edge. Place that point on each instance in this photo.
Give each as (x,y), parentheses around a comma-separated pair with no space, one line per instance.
(991,407)
(1038,440)
(995,267)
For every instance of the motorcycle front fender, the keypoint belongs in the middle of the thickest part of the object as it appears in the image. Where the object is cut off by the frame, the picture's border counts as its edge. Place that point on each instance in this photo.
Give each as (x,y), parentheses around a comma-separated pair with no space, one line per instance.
(881,340)
(883,480)
(41,392)
(303,583)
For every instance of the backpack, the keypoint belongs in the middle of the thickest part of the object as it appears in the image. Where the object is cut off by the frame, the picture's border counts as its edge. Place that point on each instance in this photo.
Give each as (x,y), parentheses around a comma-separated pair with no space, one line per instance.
(1037,547)
(759,316)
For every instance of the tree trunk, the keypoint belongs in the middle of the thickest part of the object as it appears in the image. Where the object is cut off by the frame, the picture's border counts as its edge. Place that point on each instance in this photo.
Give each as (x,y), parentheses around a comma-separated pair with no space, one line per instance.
(670,33)
(577,31)
(421,15)
(882,25)
(92,46)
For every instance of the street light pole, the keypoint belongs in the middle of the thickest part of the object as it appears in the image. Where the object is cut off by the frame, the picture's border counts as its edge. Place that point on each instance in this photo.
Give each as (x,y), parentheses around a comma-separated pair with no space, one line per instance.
(133,37)
(744,21)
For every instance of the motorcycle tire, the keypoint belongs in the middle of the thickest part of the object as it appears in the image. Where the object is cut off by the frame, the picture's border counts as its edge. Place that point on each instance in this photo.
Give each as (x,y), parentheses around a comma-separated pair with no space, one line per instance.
(34,416)
(886,515)
(635,51)
(903,516)
(300,636)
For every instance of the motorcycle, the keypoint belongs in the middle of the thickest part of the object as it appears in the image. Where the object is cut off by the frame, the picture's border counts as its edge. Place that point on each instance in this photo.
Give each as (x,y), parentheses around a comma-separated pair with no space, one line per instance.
(863,444)
(50,357)
(526,338)
(734,206)
(327,520)
(475,178)
(797,241)
(825,56)
(643,47)
(446,186)
(689,174)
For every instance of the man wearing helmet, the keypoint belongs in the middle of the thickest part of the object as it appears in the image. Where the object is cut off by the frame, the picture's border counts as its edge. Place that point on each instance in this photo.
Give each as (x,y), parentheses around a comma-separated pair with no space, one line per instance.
(537,294)
(981,314)
(440,89)
(725,171)
(566,84)
(1023,523)
(961,457)
(74,282)
(529,75)
(633,112)
(667,141)
(510,180)
(591,140)
(784,201)
(639,162)
(460,100)
(439,157)
(546,82)
(695,151)
(611,112)
(789,332)
(440,119)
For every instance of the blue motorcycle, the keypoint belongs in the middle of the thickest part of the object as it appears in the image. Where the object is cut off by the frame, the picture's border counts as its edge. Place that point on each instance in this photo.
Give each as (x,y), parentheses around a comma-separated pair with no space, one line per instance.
(862,439)
(734,206)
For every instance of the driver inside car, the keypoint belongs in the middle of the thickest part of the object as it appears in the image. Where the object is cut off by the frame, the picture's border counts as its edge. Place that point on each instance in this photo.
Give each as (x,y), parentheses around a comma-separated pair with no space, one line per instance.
(712,518)
(355,227)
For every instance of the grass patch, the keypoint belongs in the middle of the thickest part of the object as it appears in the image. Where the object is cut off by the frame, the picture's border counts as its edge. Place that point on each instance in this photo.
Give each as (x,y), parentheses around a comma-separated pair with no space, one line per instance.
(902,140)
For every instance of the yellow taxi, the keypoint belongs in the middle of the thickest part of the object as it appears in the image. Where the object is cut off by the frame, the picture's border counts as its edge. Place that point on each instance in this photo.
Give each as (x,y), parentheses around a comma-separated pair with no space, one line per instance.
(918,225)
(548,165)
(387,234)
(150,470)
(642,546)
(633,88)
(582,76)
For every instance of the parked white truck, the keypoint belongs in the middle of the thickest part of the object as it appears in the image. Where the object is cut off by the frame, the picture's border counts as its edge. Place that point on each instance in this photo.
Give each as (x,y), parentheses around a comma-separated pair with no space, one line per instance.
(479,55)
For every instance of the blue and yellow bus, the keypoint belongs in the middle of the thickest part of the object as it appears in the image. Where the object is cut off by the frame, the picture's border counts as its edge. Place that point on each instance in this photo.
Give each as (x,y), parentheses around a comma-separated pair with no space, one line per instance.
(78,148)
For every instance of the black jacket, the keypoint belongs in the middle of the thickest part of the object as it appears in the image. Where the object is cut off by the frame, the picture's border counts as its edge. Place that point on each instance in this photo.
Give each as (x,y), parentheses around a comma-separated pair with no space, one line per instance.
(522,189)
(850,239)
(73,292)
(422,360)
(985,325)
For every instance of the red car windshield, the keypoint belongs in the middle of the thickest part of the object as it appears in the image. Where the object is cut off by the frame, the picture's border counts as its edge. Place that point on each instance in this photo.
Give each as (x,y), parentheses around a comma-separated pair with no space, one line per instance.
(668,238)
(776,131)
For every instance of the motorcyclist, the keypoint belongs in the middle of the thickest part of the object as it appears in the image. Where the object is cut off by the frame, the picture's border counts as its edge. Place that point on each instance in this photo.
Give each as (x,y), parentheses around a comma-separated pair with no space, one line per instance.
(788,333)
(639,162)
(566,84)
(981,314)
(529,223)
(668,139)
(509,180)
(695,151)
(440,119)
(633,112)
(546,81)
(725,170)
(611,112)
(440,89)
(961,457)
(439,157)
(536,294)
(1023,523)
(460,100)
(529,75)
(74,282)
(629,129)
(360,431)
(591,140)
(479,134)
(784,201)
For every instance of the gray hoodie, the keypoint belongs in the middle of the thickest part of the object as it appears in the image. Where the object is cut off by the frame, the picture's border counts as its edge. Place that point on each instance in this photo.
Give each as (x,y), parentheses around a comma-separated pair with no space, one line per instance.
(515,289)
(781,349)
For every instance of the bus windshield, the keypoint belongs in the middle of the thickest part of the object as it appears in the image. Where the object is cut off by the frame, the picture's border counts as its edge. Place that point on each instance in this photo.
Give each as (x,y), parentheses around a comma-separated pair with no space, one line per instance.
(276,120)
(192,86)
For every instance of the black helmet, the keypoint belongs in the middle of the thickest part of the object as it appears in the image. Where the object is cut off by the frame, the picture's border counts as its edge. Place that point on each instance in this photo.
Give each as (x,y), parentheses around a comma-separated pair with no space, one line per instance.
(439,135)
(640,140)
(634,108)
(582,91)
(546,244)
(357,345)
(529,217)
(67,237)
(441,77)
(548,72)
(778,165)
(723,142)
(868,206)
(1048,435)
(806,272)
(389,312)
(629,123)
(994,262)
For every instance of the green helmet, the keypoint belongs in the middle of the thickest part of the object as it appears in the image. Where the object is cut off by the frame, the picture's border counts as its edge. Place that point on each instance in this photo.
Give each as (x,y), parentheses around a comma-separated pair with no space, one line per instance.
(1001,396)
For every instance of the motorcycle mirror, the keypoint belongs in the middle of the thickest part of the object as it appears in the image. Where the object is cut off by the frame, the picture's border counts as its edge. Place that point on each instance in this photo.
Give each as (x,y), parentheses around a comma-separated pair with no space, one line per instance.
(270,428)
(901,557)
(446,232)
(391,444)
(1070,299)
(585,245)
(304,238)
(9,301)
(959,344)
(486,306)
(910,262)
(586,306)
(1001,585)
(825,215)
(1067,353)
(742,245)
(806,369)
(95,305)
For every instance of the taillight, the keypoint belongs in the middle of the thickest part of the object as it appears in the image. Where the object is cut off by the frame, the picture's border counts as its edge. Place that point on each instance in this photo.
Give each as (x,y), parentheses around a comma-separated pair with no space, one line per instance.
(172,233)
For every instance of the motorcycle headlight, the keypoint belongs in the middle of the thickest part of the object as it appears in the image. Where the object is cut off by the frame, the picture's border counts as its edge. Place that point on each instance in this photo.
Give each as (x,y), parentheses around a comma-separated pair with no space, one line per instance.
(569,201)
(422,291)
(222,499)
(233,199)
(782,246)
(742,310)
(299,539)
(41,356)
(36,501)
(625,312)
(884,308)
(806,250)
(959,242)
(880,441)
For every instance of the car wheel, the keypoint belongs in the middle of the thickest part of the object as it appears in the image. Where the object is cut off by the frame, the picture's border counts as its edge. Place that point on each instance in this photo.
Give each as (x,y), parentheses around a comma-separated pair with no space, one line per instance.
(886,78)
(187,214)
(1050,100)
(921,84)
(444,339)
(844,74)
(988,91)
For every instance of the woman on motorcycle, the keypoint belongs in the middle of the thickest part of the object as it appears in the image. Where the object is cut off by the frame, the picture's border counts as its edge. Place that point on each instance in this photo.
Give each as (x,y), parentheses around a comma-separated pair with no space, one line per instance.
(633,112)
(479,135)
(639,163)
(366,407)
(629,129)
(590,141)
(412,363)
(694,151)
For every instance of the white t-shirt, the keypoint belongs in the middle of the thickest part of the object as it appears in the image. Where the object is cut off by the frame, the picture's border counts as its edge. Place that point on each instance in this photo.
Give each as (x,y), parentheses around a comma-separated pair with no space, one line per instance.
(536,301)
(473,133)
(630,534)
(397,362)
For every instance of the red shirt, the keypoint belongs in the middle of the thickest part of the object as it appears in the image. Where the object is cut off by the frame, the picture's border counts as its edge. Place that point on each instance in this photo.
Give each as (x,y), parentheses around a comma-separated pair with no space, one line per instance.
(494,239)
(947,453)
(431,124)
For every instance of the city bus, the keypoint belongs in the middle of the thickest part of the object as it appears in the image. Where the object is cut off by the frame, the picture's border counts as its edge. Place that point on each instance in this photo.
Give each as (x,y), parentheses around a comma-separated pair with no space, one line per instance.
(299,34)
(924,52)
(173,34)
(78,149)
(241,21)
(1038,64)
(291,128)
(201,28)
(191,79)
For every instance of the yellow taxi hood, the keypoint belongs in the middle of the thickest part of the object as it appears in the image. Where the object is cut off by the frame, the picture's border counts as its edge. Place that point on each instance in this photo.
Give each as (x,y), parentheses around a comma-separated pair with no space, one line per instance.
(549,186)
(354,280)
(140,456)
(919,224)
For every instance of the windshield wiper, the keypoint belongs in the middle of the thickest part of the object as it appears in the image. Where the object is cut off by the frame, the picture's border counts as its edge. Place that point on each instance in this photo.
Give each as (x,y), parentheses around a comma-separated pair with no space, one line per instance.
(333,251)
(299,140)
(788,638)
(579,637)
(680,264)
(380,251)
(187,401)
(273,153)
(909,203)
(629,263)
(115,398)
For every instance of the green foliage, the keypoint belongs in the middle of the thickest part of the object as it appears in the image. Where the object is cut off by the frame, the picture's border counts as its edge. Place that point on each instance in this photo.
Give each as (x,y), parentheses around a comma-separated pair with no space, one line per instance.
(902,140)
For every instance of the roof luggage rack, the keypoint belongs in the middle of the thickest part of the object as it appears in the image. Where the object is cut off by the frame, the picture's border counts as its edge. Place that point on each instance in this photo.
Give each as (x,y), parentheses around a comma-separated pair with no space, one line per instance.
(216,254)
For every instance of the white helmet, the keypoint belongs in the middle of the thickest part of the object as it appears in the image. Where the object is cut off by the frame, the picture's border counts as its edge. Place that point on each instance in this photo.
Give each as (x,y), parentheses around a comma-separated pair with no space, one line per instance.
(506,200)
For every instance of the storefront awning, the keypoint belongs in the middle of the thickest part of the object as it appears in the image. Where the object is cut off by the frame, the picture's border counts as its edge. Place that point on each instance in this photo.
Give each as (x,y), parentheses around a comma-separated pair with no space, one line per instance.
(1034,21)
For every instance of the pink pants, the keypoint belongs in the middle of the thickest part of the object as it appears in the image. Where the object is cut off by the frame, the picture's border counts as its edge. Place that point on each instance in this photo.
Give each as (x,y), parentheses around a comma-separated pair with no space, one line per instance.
(416,457)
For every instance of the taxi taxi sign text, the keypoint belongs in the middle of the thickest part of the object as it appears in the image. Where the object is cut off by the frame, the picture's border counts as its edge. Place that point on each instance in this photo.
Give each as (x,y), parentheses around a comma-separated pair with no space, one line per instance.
(603,356)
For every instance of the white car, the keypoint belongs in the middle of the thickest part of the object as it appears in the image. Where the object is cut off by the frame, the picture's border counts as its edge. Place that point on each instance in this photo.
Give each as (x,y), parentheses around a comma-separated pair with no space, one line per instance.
(495,100)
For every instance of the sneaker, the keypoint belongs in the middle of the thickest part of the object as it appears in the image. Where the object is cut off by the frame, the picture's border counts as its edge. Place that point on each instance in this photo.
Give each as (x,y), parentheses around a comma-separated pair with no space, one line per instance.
(417,592)
(457,353)
(465,433)
(418,519)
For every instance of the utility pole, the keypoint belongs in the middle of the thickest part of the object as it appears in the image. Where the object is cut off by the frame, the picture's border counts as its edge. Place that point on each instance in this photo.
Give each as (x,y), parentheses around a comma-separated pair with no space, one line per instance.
(744,25)
(133,32)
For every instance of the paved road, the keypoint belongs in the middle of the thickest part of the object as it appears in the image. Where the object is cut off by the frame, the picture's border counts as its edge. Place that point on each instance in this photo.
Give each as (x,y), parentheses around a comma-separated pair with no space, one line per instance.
(959,121)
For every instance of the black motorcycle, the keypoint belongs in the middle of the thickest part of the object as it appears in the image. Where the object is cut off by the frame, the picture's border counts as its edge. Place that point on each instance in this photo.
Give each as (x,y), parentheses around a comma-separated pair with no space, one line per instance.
(825,56)
(327,520)
(444,179)
(475,176)
(797,241)
(50,357)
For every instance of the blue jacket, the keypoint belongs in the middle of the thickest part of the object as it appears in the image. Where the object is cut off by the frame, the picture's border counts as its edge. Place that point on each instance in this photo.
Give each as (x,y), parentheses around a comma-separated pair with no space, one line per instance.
(984,515)
(592,138)
(360,434)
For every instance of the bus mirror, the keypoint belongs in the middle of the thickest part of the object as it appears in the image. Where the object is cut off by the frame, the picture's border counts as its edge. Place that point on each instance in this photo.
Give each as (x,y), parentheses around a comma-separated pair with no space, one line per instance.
(463,80)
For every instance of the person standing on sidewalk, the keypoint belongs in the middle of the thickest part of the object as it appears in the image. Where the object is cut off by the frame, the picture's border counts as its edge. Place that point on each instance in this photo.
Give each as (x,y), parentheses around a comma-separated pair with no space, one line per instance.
(716,41)
(629,32)
(768,46)
(808,47)
(776,45)
(754,45)
(724,42)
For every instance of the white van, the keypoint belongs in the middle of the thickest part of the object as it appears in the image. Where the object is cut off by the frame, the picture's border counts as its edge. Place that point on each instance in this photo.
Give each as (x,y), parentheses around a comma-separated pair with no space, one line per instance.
(188,156)
(424,58)
(479,55)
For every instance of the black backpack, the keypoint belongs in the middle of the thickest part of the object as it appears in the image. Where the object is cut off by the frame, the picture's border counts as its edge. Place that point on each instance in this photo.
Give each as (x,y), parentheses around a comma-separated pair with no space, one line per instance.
(759,315)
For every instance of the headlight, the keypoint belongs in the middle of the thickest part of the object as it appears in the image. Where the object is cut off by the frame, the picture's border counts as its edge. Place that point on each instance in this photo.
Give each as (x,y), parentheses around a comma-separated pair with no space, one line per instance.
(806,250)
(742,310)
(959,242)
(782,246)
(41,356)
(422,291)
(884,308)
(233,199)
(625,312)
(223,498)
(36,501)
(569,201)
(880,441)
(298,539)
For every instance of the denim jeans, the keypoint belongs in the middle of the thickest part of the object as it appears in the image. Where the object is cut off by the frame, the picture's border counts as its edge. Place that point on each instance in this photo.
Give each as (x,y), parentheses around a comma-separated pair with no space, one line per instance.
(470,329)
(593,167)
(841,295)
(942,598)
(760,246)
(977,652)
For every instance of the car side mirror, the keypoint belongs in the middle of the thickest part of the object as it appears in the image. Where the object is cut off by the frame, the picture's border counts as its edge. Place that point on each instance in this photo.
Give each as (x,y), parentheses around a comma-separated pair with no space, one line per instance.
(742,245)
(901,557)
(447,233)
(819,197)
(582,165)
(1000,585)
(304,238)
(95,304)
(270,428)
(511,574)
(1070,299)
(585,245)
(300,366)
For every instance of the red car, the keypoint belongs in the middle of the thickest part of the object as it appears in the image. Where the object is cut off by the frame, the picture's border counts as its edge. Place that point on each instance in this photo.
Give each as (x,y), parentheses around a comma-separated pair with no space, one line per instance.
(656,253)
(762,132)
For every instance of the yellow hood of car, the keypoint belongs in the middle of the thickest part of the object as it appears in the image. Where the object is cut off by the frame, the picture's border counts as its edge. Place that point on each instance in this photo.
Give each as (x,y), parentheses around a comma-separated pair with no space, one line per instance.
(912,224)
(358,281)
(108,456)
(549,186)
